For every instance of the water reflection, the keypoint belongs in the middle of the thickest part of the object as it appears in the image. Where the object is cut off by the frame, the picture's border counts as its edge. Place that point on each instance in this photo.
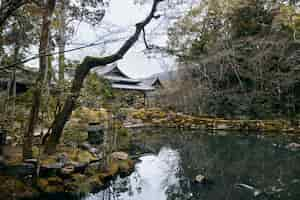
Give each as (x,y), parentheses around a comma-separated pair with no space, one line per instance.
(227,160)
(152,177)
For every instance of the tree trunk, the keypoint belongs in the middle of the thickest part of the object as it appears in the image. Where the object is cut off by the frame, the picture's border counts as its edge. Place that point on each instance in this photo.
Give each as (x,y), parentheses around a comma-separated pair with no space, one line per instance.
(36,96)
(14,81)
(69,105)
(82,71)
(61,50)
(62,42)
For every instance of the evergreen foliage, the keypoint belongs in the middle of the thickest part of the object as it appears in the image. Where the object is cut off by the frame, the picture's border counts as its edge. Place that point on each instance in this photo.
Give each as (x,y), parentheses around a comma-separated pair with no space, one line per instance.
(241,58)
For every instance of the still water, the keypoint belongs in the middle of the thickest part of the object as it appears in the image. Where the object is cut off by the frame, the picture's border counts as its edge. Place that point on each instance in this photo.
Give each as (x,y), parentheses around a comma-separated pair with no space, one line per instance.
(237,167)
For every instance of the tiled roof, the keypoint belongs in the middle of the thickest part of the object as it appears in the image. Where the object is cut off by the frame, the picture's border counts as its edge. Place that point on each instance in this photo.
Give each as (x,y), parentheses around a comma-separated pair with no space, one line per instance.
(121,79)
(140,87)
(107,70)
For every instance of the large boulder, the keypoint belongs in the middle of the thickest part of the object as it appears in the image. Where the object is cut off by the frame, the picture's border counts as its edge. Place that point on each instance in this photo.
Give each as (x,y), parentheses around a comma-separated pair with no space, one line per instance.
(119,156)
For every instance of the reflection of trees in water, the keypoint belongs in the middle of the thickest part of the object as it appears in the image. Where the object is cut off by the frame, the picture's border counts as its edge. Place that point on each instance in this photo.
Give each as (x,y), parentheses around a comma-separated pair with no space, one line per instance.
(226,160)
(128,185)
(170,158)
(229,160)
(120,185)
(107,194)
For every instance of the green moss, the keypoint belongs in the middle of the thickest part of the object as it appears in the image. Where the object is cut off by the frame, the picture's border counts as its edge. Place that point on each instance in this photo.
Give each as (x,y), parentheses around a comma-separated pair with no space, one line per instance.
(85,157)
(125,165)
(35,151)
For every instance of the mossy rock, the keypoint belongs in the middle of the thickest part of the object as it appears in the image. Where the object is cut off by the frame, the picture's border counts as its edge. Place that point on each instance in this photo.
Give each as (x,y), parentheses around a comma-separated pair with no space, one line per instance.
(85,157)
(111,170)
(126,166)
(82,184)
(78,155)
(50,185)
(49,160)
(42,183)
(55,180)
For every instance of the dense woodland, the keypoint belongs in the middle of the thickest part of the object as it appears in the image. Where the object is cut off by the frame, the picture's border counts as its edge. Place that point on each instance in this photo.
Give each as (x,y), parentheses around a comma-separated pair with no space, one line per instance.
(238,59)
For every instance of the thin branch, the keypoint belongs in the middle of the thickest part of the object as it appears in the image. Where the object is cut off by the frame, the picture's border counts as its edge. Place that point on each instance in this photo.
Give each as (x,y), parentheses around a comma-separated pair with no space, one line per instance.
(145,40)
(13,65)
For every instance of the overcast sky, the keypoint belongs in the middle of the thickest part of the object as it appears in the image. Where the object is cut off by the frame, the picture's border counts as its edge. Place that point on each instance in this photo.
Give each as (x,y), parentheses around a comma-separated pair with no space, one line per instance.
(120,19)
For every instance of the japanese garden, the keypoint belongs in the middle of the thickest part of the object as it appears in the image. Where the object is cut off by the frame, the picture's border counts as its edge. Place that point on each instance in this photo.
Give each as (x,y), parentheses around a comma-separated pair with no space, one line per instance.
(149,99)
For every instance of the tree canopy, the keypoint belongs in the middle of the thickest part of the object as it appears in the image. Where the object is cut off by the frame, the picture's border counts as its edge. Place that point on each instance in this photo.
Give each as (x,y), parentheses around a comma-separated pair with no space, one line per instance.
(241,57)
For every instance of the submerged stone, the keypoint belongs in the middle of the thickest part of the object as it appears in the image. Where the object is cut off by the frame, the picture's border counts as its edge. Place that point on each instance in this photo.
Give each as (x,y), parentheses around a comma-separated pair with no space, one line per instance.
(200,179)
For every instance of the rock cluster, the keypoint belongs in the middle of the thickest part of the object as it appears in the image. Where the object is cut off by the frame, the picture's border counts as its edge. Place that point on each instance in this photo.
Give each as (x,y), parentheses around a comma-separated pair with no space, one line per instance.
(157,117)
(72,170)
(81,170)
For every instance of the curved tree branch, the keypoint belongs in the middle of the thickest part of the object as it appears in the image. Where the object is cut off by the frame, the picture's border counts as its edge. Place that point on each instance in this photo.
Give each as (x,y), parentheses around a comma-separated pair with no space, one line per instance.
(9,8)
(82,71)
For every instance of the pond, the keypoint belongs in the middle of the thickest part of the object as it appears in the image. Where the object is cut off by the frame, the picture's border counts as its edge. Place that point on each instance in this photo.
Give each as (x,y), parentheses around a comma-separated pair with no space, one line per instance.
(236,166)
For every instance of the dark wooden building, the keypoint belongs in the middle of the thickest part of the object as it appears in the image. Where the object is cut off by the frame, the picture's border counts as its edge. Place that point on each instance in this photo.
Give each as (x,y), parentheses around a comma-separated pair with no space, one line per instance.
(121,82)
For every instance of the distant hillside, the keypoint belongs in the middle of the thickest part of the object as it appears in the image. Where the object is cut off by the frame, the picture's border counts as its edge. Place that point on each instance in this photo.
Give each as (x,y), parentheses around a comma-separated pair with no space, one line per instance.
(166,76)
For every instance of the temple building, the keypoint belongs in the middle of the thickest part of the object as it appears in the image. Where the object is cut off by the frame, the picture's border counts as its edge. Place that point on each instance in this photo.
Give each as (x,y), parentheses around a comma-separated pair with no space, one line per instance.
(133,91)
